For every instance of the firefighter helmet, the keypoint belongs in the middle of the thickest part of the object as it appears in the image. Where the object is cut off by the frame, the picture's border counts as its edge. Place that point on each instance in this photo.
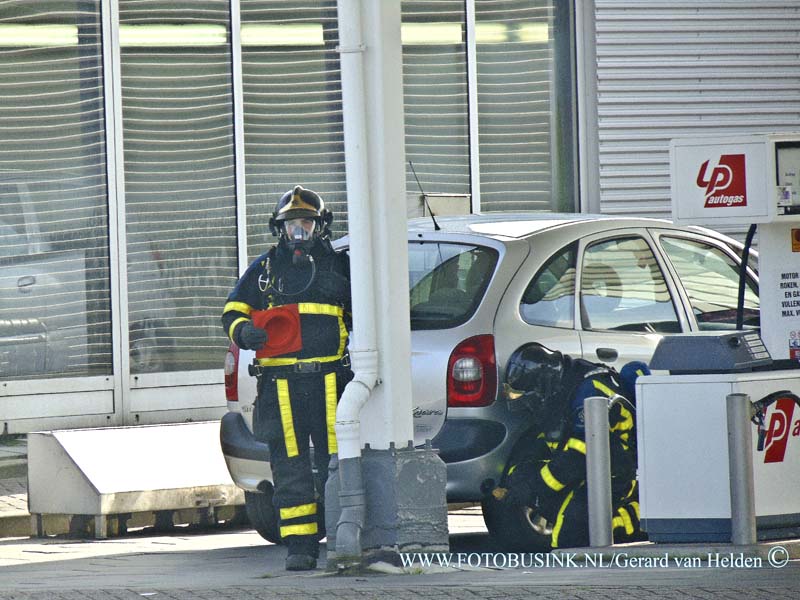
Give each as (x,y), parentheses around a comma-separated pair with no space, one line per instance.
(300,203)
(534,374)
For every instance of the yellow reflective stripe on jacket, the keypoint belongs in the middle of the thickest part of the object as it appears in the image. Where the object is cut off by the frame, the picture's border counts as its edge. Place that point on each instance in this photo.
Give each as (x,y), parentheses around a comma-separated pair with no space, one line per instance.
(306,529)
(303,510)
(285,406)
(314,308)
(560,520)
(342,335)
(550,479)
(234,324)
(330,411)
(576,444)
(626,424)
(241,307)
(285,362)
(603,388)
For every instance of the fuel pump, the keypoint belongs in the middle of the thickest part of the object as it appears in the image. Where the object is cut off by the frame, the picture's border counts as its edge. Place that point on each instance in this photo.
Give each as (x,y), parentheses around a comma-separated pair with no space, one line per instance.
(681,415)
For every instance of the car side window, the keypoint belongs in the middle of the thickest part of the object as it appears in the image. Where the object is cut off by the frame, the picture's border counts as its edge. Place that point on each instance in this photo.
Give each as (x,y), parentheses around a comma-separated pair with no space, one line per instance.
(711,280)
(623,289)
(549,299)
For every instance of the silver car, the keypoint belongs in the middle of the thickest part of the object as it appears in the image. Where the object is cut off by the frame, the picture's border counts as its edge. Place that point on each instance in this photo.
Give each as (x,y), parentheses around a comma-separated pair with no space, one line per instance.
(599,287)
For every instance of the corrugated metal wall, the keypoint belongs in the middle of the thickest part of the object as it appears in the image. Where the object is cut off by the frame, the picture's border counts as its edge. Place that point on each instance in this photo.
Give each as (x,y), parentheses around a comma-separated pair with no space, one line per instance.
(668,69)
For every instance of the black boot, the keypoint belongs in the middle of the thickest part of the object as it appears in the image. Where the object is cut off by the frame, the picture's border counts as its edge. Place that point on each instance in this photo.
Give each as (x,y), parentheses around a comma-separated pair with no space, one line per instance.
(300,562)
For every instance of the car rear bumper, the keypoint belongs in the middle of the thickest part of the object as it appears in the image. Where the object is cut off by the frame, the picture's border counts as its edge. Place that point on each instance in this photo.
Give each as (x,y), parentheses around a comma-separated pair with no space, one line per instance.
(246,457)
(475,452)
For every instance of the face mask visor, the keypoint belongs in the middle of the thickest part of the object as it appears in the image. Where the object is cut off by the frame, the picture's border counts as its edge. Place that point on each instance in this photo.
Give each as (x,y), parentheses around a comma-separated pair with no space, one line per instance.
(300,230)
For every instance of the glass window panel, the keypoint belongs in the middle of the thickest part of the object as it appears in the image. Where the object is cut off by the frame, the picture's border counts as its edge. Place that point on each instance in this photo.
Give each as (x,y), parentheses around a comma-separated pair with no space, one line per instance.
(435,96)
(711,280)
(447,282)
(54,266)
(292,109)
(550,297)
(525,106)
(179,180)
(623,288)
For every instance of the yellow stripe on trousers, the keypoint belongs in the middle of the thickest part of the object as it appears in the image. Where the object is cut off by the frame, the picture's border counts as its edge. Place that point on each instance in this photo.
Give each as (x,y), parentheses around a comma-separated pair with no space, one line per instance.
(560,519)
(303,510)
(305,529)
(330,411)
(285,406)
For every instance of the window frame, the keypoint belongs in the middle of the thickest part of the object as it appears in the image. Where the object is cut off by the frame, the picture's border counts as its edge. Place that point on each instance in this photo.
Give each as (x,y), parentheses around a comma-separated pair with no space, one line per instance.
(720,245)
(666,275)
(573,247)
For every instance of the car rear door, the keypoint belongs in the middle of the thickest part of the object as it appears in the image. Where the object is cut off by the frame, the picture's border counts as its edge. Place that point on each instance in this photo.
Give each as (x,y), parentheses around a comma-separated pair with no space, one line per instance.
(538,305)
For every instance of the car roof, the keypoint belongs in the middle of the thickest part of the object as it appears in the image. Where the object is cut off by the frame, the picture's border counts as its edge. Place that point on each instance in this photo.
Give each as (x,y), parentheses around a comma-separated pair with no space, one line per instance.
(512,225)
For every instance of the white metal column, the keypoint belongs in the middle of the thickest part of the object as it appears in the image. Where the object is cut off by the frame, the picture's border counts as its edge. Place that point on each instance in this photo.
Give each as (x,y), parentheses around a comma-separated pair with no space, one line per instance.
(472,110)
(238,134)
(116,208)
(588,138)
(387,416)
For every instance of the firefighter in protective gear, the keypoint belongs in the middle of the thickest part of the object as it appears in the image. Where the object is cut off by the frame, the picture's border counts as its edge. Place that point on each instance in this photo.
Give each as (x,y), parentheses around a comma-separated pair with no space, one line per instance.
(301,361)
(551,476)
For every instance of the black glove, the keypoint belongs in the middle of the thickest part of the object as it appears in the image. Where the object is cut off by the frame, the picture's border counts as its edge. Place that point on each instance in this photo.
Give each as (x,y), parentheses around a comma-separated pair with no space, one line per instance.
(249,337)
(333,284)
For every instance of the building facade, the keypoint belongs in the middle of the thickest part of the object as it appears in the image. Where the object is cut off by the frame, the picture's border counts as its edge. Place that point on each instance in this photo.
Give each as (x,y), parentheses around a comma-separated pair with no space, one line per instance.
(144,143)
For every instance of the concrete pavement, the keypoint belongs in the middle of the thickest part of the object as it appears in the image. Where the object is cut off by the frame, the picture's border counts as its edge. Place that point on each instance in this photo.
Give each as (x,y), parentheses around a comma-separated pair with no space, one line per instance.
(238,564)
(226,562)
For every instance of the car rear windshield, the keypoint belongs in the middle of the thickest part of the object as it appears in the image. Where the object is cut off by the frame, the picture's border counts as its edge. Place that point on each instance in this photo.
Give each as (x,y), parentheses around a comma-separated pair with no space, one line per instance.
(447,282)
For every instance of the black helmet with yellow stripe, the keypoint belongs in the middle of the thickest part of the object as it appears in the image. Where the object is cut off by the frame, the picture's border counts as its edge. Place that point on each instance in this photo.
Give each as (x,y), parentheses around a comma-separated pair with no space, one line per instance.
(300,203)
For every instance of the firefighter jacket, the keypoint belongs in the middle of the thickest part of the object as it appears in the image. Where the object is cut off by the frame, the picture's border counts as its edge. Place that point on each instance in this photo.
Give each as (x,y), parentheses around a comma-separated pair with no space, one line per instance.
(556,461)
(317,284)
(567,466)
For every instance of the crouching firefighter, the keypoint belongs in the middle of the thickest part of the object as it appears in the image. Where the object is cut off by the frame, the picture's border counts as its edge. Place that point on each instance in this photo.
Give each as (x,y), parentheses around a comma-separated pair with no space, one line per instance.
(550,474)
(292,306)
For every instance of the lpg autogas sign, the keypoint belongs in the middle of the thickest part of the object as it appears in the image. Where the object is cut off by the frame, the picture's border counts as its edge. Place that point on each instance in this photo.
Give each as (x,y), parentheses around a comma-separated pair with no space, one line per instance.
(783,422)
(719,181)
(725,184)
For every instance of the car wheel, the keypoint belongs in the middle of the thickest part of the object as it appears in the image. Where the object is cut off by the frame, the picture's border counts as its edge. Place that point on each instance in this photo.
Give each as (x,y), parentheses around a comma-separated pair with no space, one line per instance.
(261,513)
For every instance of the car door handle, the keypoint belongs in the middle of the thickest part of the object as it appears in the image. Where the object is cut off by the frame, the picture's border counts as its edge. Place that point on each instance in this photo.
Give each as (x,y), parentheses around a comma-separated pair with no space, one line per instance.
(24,283)
(608,354)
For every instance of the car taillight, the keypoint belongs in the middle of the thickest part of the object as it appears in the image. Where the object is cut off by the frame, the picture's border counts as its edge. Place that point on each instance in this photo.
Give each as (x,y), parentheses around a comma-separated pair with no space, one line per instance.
(472,373)
(232,374)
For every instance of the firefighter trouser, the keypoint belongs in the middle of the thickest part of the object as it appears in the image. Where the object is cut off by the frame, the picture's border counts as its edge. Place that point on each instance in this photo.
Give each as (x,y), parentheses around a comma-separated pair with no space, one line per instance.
(571,528)
(289,410)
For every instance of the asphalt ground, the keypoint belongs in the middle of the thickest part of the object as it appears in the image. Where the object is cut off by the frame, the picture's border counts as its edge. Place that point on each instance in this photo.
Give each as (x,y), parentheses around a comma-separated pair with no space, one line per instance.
(229,561)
